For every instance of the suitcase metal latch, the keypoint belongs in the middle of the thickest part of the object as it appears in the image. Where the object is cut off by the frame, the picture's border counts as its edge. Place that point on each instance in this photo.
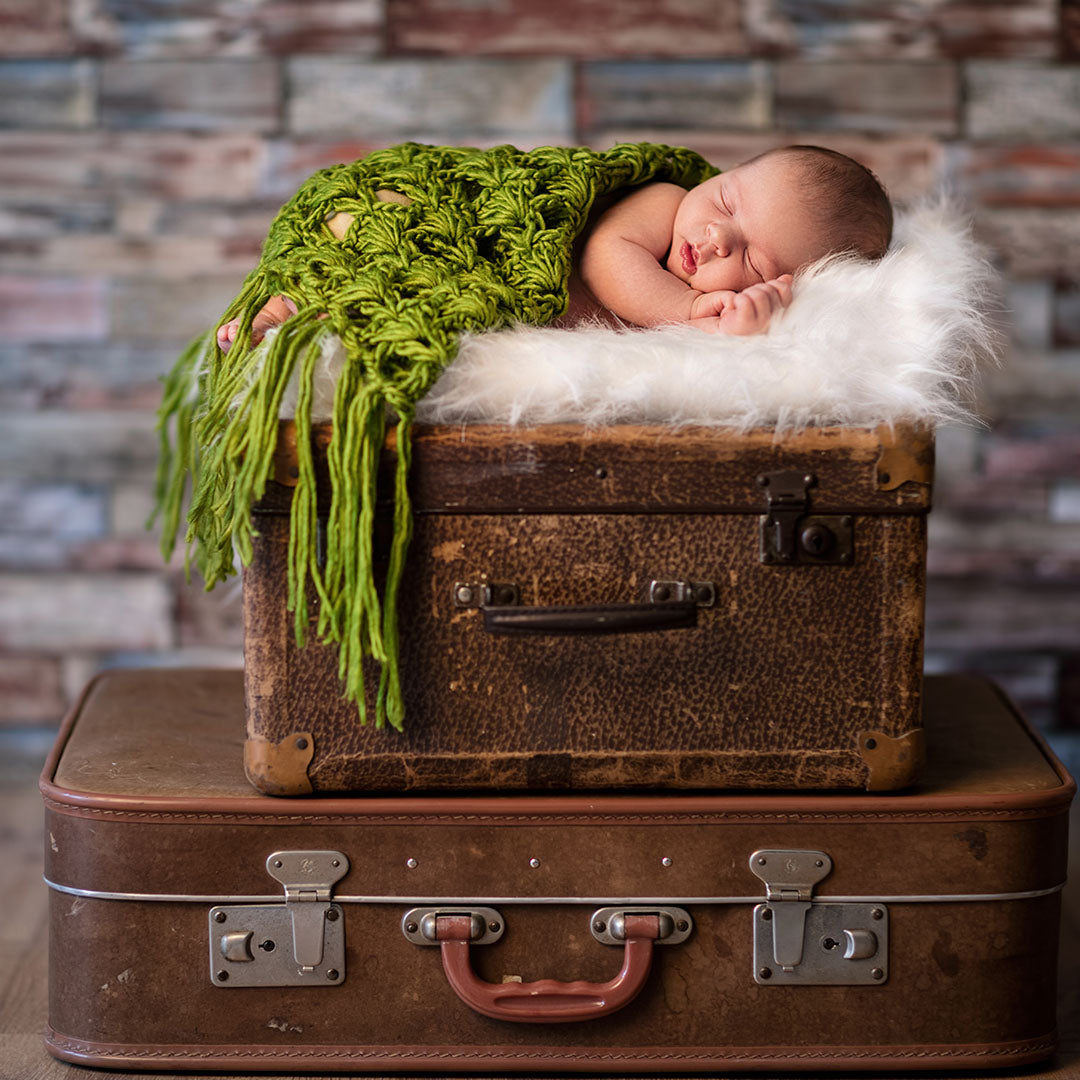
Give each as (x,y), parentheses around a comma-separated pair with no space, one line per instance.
(798,940)
(297,943)
(791,535)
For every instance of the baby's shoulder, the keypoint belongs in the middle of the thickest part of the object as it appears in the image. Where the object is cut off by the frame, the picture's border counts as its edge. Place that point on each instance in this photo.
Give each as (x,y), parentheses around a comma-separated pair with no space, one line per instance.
(654,204)
(659,195)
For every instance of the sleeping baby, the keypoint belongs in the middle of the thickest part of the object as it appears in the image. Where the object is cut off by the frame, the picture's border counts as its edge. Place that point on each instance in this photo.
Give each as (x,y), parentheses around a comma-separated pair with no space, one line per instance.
(720,257)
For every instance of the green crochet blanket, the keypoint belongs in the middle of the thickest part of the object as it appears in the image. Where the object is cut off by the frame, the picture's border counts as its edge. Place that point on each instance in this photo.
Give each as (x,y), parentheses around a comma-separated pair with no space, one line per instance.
(483,238)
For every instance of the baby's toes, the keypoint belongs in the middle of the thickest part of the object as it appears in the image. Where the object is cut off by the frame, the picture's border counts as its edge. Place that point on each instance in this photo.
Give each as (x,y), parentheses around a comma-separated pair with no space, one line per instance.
(226,334)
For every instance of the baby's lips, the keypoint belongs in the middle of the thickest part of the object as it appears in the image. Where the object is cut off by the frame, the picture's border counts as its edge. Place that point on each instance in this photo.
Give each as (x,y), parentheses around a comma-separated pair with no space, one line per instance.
(689,258)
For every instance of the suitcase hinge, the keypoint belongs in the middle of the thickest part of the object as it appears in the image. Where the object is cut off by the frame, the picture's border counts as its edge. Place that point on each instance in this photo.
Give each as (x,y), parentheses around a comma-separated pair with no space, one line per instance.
(290,944)
(800,940)
(789,534)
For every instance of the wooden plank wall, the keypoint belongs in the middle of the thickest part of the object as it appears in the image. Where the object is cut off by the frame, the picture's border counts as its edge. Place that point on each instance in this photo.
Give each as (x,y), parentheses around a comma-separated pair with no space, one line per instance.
(144,147)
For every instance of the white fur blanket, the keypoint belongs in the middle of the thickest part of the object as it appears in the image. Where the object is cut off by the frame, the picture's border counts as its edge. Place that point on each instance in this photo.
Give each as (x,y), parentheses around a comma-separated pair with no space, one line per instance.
(861,344)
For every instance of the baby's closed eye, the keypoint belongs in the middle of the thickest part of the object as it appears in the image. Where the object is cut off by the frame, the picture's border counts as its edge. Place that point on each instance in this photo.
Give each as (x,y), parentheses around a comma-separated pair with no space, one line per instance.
(752,267)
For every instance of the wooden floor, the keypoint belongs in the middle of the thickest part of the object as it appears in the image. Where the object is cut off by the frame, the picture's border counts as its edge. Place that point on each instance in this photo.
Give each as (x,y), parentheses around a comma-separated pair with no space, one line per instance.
(23,942)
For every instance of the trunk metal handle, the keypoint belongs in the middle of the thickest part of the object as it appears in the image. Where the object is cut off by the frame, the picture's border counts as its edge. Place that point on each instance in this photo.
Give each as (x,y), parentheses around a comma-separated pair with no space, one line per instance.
(589,619)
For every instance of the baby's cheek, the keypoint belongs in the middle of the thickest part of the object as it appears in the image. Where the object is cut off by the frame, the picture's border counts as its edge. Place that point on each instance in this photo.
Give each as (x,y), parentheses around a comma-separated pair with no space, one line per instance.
(715,277)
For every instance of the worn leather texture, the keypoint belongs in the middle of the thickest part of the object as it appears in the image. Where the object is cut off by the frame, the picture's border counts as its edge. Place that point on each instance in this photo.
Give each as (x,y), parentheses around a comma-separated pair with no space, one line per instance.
(143,737)
(970,984)
(777,685)
(966,981)
(565,468)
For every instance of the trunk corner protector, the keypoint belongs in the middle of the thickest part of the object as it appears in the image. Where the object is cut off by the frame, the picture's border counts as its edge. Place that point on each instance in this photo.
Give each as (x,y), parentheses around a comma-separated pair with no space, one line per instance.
(280,768)
(906,456)
(892,762)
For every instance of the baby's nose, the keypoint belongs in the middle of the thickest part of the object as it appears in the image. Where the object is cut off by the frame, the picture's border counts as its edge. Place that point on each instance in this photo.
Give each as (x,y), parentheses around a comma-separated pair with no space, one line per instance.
(719,238)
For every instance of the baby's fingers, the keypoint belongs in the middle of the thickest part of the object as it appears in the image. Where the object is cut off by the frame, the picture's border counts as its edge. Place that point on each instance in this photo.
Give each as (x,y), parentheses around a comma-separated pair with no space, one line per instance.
(773,294)
(767,298)
(757,303)
(782,287)
(752,309)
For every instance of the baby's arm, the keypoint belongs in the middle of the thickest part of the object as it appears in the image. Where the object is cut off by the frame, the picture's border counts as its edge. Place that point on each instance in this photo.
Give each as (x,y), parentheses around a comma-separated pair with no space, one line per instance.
(621,263)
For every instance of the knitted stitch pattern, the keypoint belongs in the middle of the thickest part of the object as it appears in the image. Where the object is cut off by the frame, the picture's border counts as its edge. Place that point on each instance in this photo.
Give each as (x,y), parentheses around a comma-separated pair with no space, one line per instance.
(485,240)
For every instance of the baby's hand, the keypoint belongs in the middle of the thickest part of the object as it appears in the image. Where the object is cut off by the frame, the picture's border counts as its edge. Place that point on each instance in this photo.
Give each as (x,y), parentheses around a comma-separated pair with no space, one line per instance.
(746,312)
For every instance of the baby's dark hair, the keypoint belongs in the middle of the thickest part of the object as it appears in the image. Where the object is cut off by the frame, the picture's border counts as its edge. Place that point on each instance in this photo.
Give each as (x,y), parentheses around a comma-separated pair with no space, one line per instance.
(846,198)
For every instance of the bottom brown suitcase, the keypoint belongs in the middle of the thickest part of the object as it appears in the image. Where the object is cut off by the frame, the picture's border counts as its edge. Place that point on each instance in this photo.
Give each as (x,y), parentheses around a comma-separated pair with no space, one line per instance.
(198,924)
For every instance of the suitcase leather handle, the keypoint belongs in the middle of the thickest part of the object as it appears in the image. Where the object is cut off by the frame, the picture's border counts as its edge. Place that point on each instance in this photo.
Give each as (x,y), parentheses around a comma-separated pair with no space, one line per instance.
(546,1000)
(589,619)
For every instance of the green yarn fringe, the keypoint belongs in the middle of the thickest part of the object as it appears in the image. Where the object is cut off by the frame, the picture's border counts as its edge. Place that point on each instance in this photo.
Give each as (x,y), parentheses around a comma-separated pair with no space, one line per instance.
(486,240)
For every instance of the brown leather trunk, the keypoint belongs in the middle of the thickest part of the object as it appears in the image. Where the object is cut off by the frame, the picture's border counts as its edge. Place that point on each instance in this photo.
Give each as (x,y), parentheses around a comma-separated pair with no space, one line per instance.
(199,924)
(622,608)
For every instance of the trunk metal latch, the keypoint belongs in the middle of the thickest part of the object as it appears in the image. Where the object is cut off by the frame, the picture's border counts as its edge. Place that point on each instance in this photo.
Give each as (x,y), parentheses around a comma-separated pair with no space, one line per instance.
(791,535)
(297,943)
(800,941)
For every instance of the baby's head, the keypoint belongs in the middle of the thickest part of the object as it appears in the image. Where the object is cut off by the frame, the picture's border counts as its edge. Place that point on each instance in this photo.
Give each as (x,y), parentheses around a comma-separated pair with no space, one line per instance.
(776,213)
(843,198)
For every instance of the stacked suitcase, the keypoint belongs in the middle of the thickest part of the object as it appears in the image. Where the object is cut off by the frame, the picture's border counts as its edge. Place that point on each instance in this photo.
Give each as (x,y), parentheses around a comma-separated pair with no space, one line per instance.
(672,795)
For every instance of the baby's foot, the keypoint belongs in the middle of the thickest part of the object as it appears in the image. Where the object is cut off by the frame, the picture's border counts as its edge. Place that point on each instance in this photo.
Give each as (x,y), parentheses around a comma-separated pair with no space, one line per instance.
(273,313)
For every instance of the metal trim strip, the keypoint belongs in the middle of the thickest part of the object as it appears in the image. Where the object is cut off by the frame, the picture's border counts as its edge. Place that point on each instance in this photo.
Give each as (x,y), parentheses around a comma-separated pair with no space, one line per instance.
(638,901)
